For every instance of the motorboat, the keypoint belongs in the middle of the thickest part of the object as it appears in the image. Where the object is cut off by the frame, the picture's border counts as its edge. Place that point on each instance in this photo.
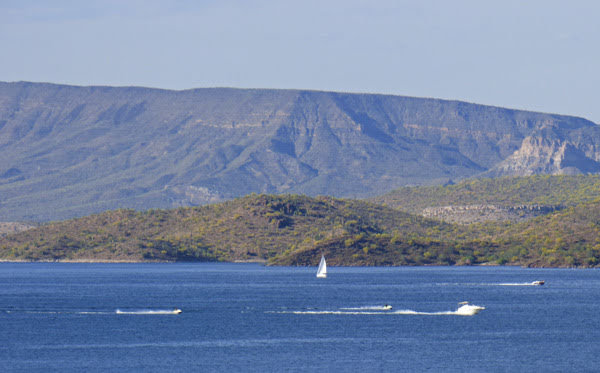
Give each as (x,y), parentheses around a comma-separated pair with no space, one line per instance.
(538,283)
(387,307)
(468,309)
(177,311)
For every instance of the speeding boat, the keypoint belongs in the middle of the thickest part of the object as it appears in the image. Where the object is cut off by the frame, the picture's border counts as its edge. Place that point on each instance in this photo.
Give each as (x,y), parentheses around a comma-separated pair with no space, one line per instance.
(538,282)
(177,311)
(387,307)
(468,309)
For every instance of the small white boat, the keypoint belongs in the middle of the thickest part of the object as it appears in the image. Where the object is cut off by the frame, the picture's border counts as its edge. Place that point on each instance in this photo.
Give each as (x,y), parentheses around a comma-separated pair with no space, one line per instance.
(387,307)
(177,311)
(538,283)
(322,271)
(467,309)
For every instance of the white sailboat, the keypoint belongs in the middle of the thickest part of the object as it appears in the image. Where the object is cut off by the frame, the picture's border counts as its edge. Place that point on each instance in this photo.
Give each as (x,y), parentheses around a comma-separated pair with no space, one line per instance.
(322,271)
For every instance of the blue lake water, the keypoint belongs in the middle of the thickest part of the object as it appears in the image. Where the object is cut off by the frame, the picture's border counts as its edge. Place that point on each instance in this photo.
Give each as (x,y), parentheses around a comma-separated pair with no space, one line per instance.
(62,317)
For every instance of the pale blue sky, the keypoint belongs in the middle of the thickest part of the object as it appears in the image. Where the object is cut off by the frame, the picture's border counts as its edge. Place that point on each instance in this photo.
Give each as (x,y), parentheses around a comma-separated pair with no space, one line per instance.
(540,55)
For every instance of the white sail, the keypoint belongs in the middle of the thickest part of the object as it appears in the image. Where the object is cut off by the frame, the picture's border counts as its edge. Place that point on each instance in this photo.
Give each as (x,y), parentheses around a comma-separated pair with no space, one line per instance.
(322,271)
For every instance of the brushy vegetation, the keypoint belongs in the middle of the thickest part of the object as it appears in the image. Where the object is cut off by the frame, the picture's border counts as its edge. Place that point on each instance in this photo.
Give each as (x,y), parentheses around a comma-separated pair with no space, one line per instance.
(296,229)
(531,190)
(258,227)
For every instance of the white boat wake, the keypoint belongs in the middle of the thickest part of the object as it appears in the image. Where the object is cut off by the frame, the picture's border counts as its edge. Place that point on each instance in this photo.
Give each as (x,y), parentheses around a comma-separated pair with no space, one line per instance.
(368,308)
(59,312)
(533,283)
(464,310)
(175,311)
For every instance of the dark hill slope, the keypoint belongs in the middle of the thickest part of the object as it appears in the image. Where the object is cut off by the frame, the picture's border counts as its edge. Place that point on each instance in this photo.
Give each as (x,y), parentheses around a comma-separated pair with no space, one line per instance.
(69,151)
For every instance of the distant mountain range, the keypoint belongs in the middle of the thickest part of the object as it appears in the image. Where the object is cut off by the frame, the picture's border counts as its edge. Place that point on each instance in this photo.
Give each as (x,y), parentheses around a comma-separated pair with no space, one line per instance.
(68,151)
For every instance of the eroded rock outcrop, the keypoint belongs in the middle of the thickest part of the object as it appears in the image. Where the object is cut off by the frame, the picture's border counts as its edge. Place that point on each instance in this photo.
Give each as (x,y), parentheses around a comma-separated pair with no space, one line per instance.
(550,152)
(14,227)
(479,213)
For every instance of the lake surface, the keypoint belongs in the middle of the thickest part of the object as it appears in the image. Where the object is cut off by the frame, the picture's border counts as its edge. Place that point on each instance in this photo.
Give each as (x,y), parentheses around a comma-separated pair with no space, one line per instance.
(62,317)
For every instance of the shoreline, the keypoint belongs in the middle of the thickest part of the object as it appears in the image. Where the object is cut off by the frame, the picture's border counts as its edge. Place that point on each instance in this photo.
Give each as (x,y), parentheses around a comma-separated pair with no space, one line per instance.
(264,262)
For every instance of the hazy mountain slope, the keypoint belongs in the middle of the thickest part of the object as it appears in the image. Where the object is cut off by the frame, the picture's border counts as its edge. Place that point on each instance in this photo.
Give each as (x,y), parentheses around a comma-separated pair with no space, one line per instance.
(69,151)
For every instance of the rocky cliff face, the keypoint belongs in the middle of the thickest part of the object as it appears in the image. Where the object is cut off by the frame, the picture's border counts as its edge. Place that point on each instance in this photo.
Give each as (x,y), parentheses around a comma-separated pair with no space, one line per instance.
(548,151)
(14,227)
(69,151)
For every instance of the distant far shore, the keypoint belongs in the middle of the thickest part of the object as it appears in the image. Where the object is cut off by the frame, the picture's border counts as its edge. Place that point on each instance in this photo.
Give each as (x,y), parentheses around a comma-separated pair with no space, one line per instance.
(81,261)
(258,261)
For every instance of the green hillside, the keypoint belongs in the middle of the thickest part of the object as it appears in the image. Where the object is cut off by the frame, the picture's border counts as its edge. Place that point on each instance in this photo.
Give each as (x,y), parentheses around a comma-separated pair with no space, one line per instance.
(295,230)
(531,190)
(567,238)
(256,227)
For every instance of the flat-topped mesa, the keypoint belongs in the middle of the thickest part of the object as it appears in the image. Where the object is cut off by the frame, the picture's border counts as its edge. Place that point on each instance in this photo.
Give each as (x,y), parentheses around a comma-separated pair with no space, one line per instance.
(69,151)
